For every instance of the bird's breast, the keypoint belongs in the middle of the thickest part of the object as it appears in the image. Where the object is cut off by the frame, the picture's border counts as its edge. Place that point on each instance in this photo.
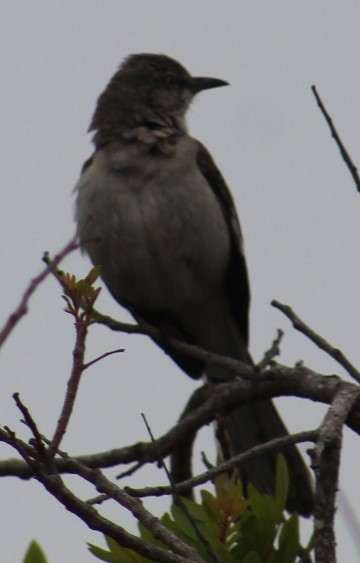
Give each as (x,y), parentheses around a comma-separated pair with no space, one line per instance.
(154,226)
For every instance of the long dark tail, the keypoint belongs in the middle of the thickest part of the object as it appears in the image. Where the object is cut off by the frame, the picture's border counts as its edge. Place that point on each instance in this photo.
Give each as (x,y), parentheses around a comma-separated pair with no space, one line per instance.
(255,424)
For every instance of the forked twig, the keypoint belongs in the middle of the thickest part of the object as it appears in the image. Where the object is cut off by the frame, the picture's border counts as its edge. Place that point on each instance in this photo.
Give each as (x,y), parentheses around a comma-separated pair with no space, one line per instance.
(335,353)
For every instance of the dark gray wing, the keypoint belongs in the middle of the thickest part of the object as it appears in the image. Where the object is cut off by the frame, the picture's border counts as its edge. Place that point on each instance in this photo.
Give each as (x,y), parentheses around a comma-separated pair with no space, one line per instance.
(237,279)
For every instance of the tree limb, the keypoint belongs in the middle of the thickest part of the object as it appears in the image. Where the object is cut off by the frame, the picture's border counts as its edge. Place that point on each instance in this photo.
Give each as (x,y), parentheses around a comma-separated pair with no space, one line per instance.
(273,382)
(326,463)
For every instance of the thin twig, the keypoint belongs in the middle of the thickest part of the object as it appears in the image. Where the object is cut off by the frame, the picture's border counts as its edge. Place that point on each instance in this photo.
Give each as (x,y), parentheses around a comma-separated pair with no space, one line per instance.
(130,471)
(335,353)
(138,510)
(345,155)
(30,423)
(181,553)
(85,366)
(178,498)
(272,352)
(102,498)
(72,385)
(224,467)
(22,308)
(25,451)
(206,461)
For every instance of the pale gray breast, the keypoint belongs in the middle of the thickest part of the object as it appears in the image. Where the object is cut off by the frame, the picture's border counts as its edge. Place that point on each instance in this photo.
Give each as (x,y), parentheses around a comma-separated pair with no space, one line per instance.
(153,225)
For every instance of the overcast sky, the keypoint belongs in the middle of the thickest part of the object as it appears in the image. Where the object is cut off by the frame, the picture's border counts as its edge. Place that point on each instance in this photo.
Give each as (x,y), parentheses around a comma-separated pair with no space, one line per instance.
(298,207)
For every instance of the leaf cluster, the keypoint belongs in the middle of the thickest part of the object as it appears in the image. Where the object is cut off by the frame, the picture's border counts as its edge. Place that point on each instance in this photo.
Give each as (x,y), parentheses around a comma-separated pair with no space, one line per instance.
(80,295)
(237,529)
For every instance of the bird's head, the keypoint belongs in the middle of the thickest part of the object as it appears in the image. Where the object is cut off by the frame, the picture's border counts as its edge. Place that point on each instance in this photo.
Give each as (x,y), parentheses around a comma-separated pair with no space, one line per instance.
(148,85)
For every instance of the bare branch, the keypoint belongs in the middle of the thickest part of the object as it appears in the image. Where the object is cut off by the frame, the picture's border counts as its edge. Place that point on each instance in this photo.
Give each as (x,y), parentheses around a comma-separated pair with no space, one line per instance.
(72,385)
(55,485)
(275,381)
(92,518)
(105,355)
(22,308)
(212,472)
(30,423)
(345,155)
(106,487)
(272,352)
(326,463)
(9,437)
(335,353)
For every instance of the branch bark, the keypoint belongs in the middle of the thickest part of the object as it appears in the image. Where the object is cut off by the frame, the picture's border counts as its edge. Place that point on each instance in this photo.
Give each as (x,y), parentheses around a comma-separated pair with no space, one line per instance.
(273,382)
(326,463)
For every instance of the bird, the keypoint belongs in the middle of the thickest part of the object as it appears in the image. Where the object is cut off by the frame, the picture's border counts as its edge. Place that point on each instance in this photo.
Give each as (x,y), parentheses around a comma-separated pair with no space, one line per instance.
(154,212)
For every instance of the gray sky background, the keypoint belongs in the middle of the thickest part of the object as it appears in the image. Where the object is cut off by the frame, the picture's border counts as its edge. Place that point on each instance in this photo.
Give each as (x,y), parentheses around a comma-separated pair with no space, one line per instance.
(298,206)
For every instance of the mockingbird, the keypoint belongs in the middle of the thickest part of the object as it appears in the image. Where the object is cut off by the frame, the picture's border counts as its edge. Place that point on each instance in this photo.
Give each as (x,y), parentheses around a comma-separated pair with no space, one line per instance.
(155,213)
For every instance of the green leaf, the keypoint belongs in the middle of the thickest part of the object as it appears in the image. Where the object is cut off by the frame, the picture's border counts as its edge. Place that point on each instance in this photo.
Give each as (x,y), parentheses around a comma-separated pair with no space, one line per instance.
(100,553)
(288,541)
(282,482)
(148,536)
(264,507)
(35,554)
(117,553)
(251,557)
(93,275)
(182,521)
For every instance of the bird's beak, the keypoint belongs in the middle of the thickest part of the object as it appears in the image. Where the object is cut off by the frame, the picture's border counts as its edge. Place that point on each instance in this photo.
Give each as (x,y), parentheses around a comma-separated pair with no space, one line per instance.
(199,83)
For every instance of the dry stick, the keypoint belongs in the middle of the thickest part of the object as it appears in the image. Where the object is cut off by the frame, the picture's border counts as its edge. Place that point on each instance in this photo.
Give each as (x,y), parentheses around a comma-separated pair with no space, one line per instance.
(29,421)
(105,355)
(137,509)
(9,437)
(95,521)
(89,515)
(273,351)
(179,500)
(55,485)
(276,443)
(326,463)
(278,380)
(345,155)
(130,471)
(102,498)
(22,308)
(72,385)
(335,353)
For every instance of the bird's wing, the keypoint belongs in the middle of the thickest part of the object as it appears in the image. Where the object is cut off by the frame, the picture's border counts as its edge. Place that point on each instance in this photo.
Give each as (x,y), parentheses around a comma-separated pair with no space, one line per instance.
(237,283)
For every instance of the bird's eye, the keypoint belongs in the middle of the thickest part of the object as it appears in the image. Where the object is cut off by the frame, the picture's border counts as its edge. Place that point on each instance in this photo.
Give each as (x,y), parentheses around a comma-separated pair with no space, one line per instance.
(170,80)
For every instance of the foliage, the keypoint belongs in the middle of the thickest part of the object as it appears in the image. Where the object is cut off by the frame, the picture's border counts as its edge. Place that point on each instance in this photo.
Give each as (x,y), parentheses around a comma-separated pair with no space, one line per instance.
(35,554)
(238,529)
(80,295)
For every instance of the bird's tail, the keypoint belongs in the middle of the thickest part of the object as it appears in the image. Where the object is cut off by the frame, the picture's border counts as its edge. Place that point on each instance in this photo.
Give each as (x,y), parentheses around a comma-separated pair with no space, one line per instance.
(254,424)
(257,423)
